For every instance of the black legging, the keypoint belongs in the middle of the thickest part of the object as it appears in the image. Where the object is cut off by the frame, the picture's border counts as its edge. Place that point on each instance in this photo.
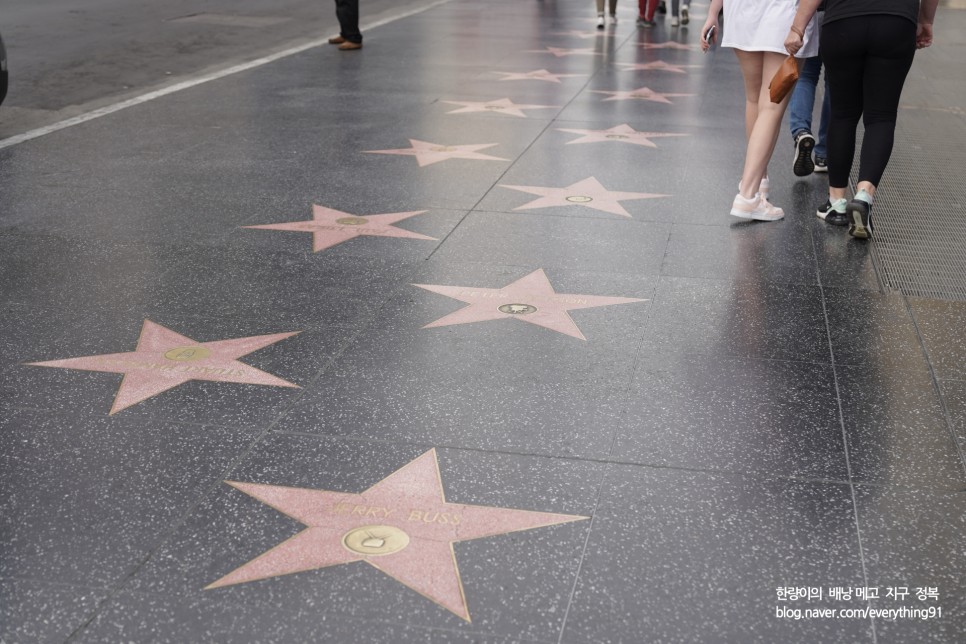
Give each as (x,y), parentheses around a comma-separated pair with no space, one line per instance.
(866,59)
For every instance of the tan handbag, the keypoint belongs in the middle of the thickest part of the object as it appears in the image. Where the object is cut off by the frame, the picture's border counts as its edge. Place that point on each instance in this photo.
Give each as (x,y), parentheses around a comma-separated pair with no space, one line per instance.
(784,80)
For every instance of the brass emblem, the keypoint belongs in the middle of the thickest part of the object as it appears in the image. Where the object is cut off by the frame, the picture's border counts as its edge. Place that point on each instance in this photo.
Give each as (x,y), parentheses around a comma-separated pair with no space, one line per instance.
(352,221)
(579,199)
(187,354)
(617,136)
(375,540)
(518,309)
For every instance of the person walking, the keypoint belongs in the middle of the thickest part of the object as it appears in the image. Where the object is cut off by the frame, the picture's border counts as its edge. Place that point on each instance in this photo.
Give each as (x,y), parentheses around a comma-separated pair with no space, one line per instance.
(645,13)
(800,108)
(867,48)
(755,29)
(600,12)
(349,38)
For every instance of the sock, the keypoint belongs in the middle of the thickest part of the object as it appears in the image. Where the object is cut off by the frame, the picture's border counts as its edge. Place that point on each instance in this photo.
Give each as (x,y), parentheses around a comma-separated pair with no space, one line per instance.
(838,205)
(864,196)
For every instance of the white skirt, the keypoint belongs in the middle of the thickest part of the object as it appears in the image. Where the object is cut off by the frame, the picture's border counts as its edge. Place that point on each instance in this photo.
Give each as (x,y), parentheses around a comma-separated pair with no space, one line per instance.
(762,25)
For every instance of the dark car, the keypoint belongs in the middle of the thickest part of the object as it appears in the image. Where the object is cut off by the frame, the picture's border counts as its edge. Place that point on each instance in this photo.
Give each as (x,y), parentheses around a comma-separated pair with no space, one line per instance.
(3,71)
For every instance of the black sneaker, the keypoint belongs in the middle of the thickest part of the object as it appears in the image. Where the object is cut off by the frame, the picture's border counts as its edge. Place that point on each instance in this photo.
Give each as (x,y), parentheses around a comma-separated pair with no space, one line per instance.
(860,219)
(831,215)
(821,164)
(662,8)
(804,144)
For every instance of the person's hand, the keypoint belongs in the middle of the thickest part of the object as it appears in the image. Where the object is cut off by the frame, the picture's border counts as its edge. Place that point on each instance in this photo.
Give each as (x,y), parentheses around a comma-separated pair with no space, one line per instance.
(923,35)
(710,22)
(793,42)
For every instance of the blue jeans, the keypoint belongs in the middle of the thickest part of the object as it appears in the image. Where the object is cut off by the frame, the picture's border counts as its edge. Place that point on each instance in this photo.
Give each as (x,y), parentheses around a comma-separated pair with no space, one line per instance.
(802,103)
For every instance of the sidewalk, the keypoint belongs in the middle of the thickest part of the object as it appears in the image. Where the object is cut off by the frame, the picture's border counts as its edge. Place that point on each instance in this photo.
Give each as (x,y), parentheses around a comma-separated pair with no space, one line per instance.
(516,357)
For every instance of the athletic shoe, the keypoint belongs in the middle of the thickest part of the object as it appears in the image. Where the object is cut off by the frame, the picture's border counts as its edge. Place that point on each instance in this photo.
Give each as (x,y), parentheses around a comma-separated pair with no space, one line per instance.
(600,21)
(662,8)
(860,219)
(762,187)
(647,24)
(756,208)
(833,214)
(804,143)
(821,164)
(685,14)
(613,18)
(675,21)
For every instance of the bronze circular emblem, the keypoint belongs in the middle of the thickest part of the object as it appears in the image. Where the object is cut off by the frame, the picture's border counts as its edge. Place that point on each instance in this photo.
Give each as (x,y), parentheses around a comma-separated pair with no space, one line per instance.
(518,309)
(580,199)
(352,221)
(187,354)
(617,136)
(375,540)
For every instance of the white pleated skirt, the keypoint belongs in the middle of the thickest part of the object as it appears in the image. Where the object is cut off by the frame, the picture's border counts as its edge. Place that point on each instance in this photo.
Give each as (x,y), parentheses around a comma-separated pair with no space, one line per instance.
(762,25)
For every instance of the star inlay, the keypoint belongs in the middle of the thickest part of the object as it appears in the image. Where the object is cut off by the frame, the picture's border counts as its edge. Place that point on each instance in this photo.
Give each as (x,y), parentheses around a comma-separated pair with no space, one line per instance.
(427,153)
(402,526)
(560,52)
(529,299)
(165,359)
(500,106)
(641,93)
(668,45)
(658,65)
(540,74)
(619,134)
(330,227)
(588,192)
(579,34)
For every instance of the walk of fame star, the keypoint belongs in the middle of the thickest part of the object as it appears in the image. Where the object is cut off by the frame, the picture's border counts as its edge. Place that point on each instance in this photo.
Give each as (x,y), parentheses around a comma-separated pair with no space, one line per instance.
(165,359)
(402,526)
(427,153)
(579,34)
(668,45)
(560,52)
(330,227)
(500,106)
(659,66)
(642,93)
(529,299)
(619,134)
(539,74)
(588,192)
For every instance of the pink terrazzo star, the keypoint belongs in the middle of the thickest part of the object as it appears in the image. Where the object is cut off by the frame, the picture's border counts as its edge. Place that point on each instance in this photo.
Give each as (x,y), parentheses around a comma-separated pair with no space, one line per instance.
(500,106)
(165,359)
(427,153)
(580,34)
(668,45)
(588,192)
(402,525)
(540,75)
(330,227)
(529,299)
(619,134)
(641,93)
(657,66)
(560,52)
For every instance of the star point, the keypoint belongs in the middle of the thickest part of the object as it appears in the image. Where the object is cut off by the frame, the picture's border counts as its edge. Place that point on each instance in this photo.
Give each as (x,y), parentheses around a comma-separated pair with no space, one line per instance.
(530,299)
(668,45)
(428,153)
(402,526)
(500,106)
(588,192)
(560,52)
(623,133)
(539,75)
(659,65)
(330,227)
(165,359)
(641,93)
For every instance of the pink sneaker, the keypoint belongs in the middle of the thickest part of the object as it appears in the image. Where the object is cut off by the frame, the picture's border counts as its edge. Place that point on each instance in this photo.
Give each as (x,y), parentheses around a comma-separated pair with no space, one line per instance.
(756,208)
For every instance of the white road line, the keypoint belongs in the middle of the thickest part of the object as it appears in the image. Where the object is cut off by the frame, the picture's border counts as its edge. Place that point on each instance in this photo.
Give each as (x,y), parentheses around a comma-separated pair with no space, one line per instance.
(205,78)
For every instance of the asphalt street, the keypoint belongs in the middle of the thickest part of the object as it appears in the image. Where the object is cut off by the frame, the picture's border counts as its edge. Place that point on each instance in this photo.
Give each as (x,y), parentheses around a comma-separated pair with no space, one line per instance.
(67,57)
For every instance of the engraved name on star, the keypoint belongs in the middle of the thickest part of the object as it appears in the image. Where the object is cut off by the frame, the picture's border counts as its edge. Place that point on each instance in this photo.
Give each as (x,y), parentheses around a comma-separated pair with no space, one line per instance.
(619,134)
(164,359)
(538,75)
(589,193)
(560,52)
(641,93)
(500,106)
(659,66)
(529,299)
(330,227)
(427,153)
(402,526)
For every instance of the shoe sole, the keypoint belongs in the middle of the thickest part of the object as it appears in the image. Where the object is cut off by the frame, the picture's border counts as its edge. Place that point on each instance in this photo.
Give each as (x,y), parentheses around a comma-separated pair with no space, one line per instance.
(859,222)
(685,18)
(822,169)
(804,165)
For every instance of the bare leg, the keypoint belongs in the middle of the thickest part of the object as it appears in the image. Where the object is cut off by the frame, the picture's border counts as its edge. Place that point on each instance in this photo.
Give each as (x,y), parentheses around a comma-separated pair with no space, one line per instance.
(751,63)
(765,130)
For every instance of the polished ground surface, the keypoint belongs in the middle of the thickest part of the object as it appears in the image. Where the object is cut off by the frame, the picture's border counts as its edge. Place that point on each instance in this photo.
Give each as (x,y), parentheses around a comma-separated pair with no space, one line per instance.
(515,377)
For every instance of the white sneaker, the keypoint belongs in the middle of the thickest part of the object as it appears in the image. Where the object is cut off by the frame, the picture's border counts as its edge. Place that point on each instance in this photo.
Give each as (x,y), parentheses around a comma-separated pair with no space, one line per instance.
(756,208)
(600,21)
(685,14)
(762,187)
(613,18)
(675,21)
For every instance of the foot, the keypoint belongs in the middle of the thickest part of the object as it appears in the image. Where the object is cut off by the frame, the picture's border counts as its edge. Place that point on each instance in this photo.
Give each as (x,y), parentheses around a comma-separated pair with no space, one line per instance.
(600,21)
(804,144)
(613,18)
(347,45)
(336,40)
(859,214)
(647,24)
(662,8)
(756,208)
(685,14)
(675,21)
(834,213)
(762,187)
(821,164)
